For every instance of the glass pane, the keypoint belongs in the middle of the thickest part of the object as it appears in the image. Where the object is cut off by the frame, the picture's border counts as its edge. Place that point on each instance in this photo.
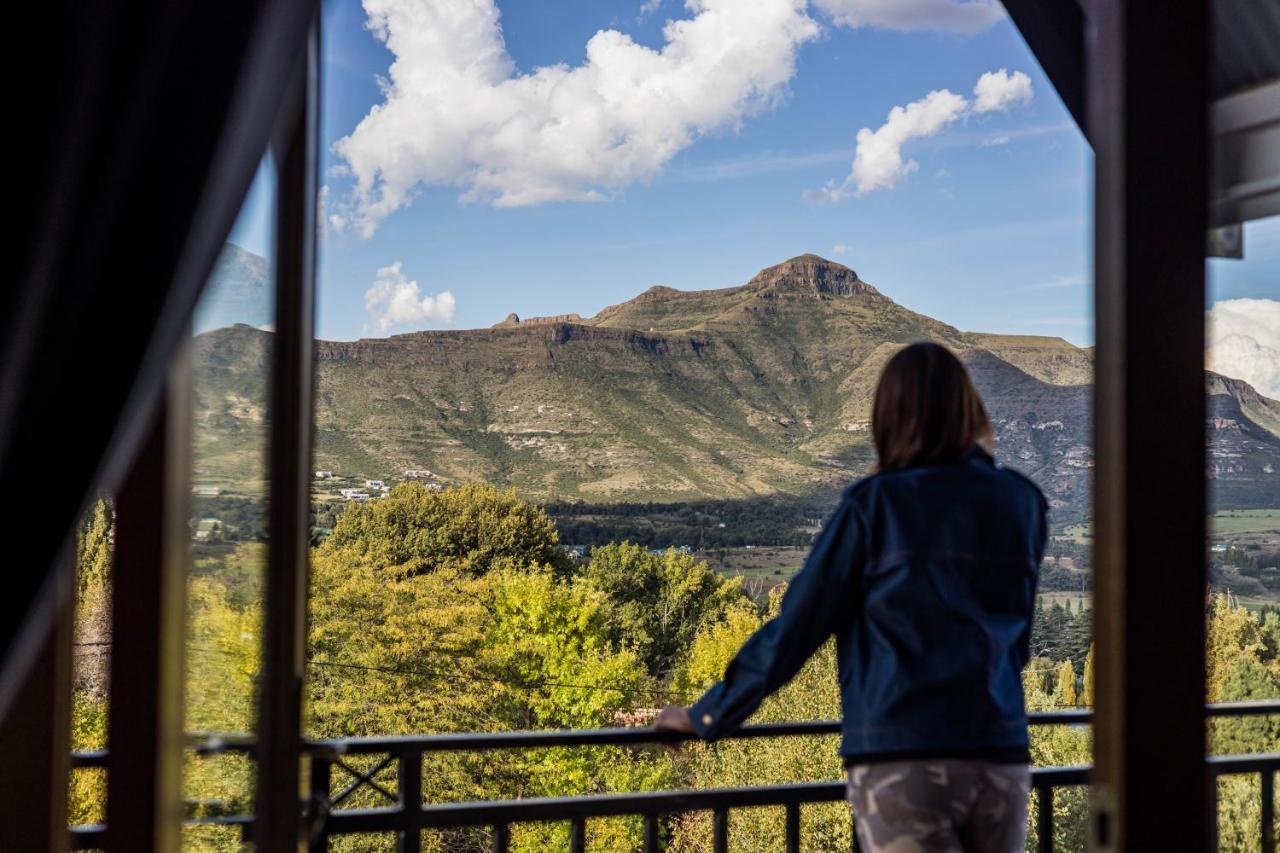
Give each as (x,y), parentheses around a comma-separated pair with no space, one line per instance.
(231,357)
(1243,399)
(600,334)
(91,659)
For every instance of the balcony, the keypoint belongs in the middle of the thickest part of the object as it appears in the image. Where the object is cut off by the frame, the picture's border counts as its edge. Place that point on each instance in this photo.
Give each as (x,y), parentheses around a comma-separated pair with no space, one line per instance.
(158,130)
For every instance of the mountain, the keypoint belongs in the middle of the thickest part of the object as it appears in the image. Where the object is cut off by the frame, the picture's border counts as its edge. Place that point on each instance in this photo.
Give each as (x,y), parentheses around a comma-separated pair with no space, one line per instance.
(760,389)
(239,291)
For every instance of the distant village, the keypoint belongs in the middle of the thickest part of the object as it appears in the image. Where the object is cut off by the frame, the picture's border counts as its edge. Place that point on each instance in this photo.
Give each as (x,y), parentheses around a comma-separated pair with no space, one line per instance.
(332,488)
(362,489)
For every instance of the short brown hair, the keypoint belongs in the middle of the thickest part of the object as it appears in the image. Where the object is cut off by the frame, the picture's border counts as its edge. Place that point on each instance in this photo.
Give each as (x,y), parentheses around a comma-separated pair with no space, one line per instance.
(926,411)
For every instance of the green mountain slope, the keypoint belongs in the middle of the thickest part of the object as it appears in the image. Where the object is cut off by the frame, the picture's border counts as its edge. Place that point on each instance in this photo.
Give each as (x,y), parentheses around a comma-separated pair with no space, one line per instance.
(755,390)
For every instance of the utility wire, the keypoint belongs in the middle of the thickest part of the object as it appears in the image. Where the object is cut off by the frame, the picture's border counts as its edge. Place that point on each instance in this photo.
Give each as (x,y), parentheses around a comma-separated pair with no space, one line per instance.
(454,676)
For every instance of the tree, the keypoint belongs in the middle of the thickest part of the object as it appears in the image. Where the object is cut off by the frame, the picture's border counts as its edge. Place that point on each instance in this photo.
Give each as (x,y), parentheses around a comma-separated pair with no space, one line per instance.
(813,694)
(660,600)
(93,549)
(471,529)
(1233,632)
(1086,695)
(1065,691)
(424,624)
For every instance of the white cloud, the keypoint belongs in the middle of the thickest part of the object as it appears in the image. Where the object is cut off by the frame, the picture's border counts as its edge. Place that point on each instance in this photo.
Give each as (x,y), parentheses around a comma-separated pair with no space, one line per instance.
(394,300)
(994,141)
(648,7)
(877,160)
(840,249)
(968,16)
(455,111)
(1061,282)
(999,90)
(1244,342)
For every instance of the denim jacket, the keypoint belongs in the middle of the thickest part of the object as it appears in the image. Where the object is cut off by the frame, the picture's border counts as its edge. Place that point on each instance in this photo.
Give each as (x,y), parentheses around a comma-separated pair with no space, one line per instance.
(927,579)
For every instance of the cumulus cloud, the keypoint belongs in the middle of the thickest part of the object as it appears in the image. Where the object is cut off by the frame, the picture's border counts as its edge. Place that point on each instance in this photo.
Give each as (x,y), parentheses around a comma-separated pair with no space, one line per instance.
(456,112)
(394,300)
(1244,342)
(966,16)
(840,249)
(877,160)
(1000,90)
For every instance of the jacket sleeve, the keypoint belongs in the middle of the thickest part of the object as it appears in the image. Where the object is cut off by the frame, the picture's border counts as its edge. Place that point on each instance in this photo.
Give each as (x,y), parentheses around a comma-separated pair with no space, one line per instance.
(814,602)
(1040,544)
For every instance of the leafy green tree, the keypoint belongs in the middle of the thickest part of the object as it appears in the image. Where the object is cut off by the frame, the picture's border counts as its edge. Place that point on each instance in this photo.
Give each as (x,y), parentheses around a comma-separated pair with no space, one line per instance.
(470,529)
(660,600)
(813,694)
(1056,746)
(1233,632)
(493,635)
(93,549)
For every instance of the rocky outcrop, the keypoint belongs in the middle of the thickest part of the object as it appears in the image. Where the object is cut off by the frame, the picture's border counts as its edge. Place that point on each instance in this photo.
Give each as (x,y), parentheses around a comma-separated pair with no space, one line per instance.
(812,274)
(513,320)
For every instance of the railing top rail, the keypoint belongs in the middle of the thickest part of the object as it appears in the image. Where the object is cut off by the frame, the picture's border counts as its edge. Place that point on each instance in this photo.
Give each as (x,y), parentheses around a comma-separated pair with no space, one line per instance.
(1250,708)
(629,735)
(215,743)
(622,736)
(1257,762)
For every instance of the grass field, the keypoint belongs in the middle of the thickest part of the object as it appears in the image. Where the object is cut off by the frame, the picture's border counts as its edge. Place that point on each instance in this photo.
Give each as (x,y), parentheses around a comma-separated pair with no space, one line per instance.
(761,568)
(1225,521)
(1245,520)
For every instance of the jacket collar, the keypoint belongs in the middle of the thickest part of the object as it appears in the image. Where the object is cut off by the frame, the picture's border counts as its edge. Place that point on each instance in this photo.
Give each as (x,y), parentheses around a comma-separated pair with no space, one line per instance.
(980,453)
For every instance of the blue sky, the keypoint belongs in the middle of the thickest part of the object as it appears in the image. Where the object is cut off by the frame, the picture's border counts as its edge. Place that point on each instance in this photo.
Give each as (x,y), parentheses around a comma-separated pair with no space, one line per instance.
(990,231)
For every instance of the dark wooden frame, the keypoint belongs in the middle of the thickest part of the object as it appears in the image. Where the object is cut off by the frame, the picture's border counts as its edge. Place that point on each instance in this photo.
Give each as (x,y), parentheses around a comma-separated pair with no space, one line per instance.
(278,815)
(1147,71)
(148,616)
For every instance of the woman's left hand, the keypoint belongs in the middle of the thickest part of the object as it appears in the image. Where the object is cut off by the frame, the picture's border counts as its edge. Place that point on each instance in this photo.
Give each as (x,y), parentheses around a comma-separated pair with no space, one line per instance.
(674,718)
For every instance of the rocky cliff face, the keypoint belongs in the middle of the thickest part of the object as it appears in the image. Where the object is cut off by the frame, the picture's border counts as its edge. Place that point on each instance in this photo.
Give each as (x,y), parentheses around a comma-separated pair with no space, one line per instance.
(759,389)
(812,275)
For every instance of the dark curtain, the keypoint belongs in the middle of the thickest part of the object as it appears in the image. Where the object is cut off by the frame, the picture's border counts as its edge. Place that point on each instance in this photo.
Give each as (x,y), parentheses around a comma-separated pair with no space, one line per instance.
(134,132)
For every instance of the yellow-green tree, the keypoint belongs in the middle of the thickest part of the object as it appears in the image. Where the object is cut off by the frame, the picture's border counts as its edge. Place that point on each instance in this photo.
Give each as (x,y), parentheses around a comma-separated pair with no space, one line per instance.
(812,695)
(1086,694)
(475,628)
(1065,690)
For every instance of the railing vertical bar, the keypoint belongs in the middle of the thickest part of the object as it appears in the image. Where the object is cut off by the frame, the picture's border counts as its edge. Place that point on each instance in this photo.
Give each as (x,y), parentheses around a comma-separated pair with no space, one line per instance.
(578,836)
(720,831)
(409,770)
(1268,794)
(651,833)
(321,772)
(793,828)
(501,838)
(1044,818)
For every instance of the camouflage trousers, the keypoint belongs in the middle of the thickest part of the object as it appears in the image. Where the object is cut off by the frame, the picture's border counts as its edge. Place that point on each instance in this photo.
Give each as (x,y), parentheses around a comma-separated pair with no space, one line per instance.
(937,806)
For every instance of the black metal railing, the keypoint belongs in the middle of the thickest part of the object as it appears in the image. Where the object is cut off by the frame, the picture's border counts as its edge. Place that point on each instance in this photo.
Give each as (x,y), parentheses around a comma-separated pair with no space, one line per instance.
(407,816)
